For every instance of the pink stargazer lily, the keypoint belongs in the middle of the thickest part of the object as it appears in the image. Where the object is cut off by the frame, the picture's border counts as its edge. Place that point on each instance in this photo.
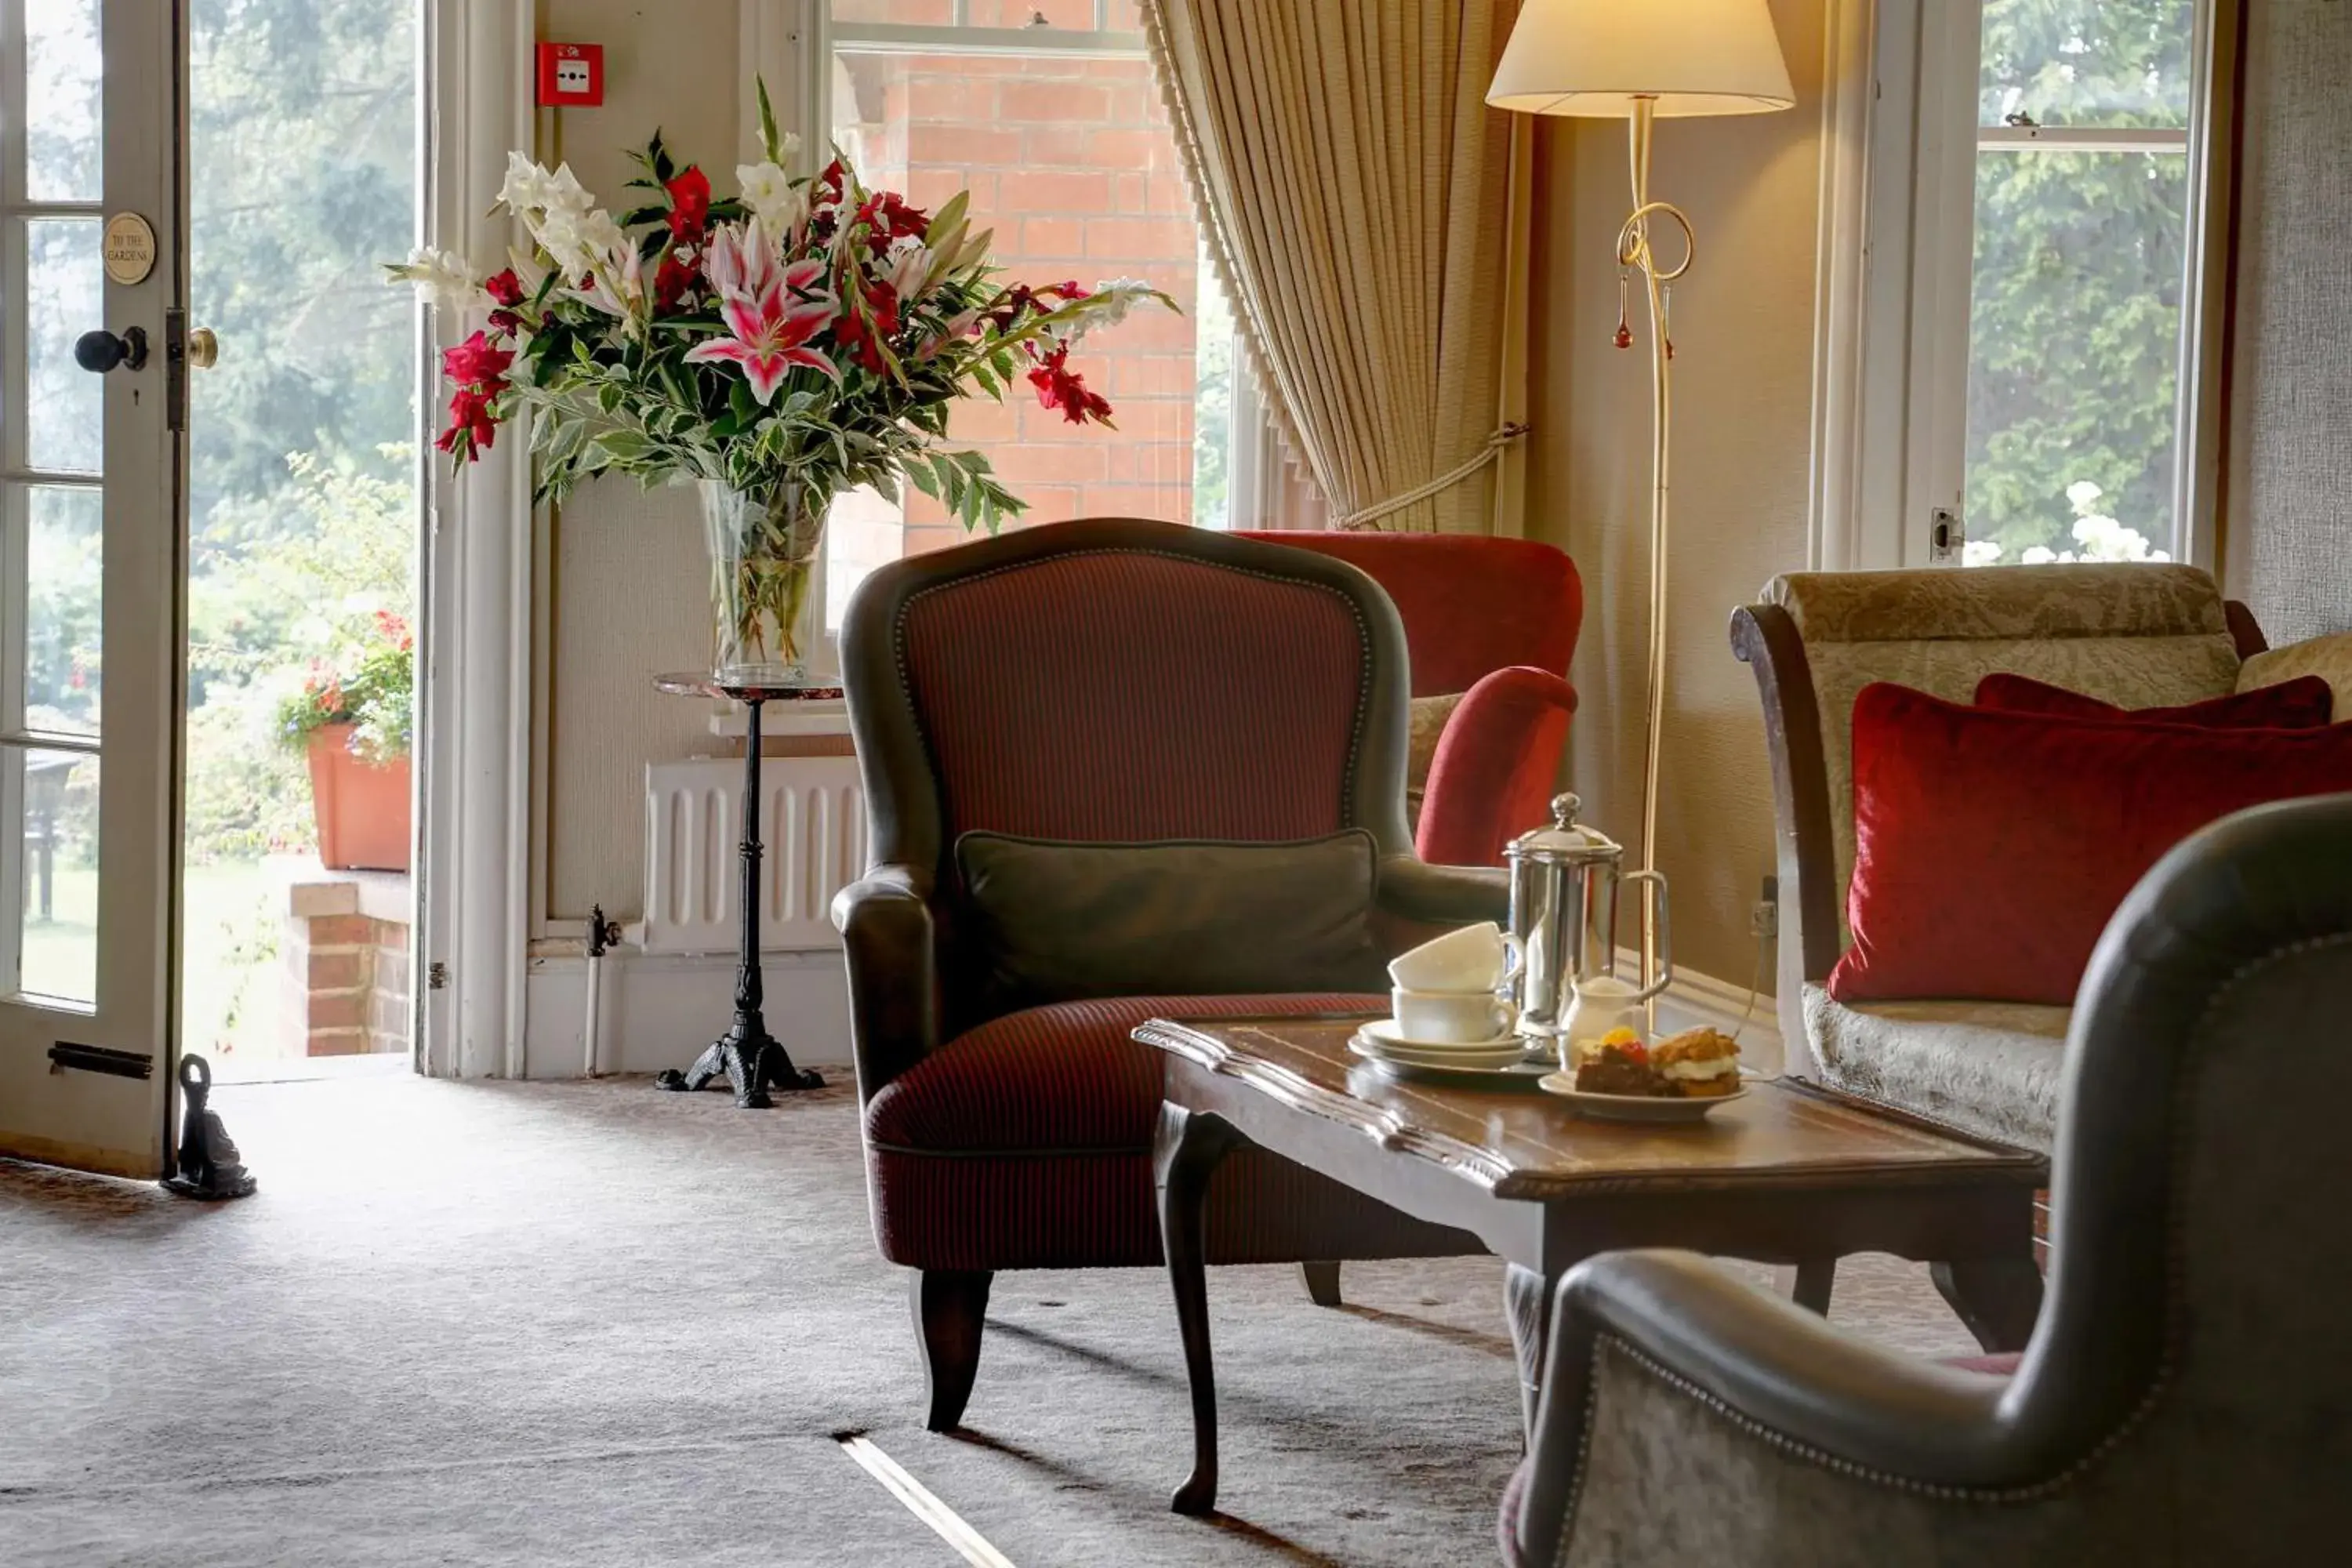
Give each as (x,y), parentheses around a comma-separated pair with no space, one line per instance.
(773,311)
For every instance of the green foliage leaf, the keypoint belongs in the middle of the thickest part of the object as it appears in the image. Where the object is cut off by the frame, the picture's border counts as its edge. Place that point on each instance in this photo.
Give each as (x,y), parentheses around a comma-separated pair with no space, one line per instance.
(770,141)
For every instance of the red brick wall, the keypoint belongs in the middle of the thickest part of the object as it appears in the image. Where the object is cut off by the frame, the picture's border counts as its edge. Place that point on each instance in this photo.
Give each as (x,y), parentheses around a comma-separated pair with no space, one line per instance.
(1072,163)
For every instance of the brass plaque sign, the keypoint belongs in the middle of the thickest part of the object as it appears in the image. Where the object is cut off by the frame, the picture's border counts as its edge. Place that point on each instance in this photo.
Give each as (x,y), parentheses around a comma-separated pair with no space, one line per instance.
(129,248)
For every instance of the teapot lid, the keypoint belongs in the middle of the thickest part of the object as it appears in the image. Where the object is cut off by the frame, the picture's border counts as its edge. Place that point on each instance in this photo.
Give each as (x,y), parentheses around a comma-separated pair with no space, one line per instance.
(1563,838)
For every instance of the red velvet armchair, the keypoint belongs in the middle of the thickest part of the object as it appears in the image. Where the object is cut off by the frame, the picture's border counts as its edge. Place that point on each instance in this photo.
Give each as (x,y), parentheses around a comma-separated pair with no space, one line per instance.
(1102,686)
(1494,620)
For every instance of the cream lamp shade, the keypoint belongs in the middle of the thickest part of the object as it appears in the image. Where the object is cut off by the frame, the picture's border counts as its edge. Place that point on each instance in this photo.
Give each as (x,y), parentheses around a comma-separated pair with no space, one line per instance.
(1596,58)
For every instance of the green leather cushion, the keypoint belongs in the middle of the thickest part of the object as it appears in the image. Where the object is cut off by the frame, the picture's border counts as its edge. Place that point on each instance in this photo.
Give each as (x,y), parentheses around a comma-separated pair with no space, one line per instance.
(1058,922)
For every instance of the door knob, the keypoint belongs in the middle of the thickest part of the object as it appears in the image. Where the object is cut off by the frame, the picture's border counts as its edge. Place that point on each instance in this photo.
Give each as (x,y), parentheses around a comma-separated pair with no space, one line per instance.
(101,351)
(203,349)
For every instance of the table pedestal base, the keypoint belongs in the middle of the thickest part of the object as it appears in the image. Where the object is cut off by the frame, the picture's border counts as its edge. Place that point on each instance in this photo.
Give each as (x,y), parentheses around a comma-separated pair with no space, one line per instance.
(746,1056)
(751,1060)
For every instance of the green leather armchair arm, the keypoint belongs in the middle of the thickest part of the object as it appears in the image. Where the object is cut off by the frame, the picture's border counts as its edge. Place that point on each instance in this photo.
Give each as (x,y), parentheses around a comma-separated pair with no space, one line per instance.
(889,947)
(1444,895)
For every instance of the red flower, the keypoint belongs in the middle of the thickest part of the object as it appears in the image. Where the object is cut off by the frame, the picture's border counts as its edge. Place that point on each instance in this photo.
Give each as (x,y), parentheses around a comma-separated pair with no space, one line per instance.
(853,331)
(472,426)
(504,288)
(475,363)
(506,323)
(1061,387)
(883,301)
(676,276)
(889,218)
(394,629)
(689,204)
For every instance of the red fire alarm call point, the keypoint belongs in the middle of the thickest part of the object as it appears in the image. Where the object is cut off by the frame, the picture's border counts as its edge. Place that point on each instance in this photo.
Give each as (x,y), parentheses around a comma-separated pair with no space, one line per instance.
(571,76)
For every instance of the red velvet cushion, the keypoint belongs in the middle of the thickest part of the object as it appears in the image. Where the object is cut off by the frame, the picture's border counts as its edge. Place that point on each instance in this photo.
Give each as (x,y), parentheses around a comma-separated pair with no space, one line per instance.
(2303,703)
(1496,767)
(1991,848)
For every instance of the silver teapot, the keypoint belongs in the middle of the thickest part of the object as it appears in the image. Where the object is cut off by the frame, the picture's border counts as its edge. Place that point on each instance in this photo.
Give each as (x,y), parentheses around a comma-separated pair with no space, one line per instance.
(1565,879)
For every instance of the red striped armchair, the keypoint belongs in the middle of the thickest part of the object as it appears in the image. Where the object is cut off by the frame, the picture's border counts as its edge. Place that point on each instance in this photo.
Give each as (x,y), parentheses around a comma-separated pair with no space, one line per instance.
(1119,683)
(1492,625)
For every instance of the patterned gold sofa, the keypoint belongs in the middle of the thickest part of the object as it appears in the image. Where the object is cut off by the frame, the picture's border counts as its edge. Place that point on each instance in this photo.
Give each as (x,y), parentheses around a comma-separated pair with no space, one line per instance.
(2139,636)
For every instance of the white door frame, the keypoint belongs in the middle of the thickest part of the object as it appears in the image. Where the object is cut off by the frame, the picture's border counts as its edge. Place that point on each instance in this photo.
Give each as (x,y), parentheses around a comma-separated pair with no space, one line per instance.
(474,703)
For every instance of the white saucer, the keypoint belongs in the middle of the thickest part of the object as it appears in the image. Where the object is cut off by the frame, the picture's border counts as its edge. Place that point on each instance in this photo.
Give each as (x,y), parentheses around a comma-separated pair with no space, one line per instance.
(1504,1058)
(1633,1107)
(1389,1034)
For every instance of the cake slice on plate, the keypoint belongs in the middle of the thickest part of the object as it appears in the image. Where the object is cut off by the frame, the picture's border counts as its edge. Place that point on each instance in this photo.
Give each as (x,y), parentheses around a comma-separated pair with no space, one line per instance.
(1698,1064)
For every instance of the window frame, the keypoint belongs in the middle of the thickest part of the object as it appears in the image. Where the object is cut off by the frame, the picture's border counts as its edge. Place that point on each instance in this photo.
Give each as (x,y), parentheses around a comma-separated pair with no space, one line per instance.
(1254,455)
(1899,184)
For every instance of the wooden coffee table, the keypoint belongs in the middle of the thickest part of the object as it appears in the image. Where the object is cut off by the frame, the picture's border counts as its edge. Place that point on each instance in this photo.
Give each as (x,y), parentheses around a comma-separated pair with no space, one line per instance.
(1792,1173)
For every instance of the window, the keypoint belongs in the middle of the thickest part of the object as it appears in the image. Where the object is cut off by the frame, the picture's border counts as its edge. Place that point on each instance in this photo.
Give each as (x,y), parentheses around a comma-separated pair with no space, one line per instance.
(2034,300)
(1047,113)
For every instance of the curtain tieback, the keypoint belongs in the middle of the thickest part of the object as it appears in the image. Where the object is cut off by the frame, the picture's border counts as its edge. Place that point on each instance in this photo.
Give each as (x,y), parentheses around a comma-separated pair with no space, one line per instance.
(1444,481)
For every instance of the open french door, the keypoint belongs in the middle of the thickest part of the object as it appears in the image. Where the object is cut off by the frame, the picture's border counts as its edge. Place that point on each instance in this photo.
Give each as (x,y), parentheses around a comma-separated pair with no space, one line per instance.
(93,529)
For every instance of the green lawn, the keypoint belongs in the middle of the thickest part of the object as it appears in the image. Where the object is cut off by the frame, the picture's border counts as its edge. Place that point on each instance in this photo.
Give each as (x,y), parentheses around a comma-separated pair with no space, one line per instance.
(231,962)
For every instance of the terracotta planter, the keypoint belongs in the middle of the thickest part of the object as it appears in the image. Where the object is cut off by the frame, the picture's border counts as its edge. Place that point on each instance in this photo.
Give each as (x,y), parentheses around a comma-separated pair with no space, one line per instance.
(362,811)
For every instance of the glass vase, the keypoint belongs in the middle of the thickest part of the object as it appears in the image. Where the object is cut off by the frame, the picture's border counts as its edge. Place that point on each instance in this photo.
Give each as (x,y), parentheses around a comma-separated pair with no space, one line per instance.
(767,619)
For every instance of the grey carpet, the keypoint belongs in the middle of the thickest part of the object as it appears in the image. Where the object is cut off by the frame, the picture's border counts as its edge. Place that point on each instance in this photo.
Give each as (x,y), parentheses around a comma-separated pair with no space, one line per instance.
(516,1324)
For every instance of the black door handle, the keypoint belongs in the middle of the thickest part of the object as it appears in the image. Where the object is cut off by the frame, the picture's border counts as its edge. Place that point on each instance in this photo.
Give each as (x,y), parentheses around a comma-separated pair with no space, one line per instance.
(101,350)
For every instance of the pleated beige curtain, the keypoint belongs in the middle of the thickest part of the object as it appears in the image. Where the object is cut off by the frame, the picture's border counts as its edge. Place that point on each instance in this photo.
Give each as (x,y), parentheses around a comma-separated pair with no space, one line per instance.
(1369,215)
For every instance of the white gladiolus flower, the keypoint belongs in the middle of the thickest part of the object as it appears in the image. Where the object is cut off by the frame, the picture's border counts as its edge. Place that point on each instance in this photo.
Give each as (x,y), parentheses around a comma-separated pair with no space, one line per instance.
(441,276)
(601,235)
(2083,493)
(579,242)
(559,235)
(530,190)
(1980,552)
(1119,296)
(770,195)
(1107,306)
(2038,555)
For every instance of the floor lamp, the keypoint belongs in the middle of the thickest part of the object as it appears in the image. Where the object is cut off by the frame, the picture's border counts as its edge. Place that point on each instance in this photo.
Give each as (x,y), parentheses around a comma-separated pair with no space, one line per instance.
(1641,61)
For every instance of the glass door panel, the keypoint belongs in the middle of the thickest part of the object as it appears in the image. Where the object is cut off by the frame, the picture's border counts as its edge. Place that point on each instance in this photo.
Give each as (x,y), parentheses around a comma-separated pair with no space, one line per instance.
(65,286)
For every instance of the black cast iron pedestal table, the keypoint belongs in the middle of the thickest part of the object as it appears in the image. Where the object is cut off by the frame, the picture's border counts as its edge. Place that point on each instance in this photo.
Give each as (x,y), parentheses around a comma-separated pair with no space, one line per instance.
(750,1059)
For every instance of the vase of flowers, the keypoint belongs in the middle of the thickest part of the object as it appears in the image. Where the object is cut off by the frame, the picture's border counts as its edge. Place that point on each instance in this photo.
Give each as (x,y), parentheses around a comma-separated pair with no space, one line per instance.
(354,721)
(803,338)
(766,618)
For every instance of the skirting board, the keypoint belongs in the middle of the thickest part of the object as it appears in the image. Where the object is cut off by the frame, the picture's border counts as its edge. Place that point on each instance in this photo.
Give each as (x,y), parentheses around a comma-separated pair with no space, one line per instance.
(660,1010)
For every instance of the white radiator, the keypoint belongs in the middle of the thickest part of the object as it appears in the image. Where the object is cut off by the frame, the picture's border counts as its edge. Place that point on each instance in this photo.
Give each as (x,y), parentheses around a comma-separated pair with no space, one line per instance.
(811,819)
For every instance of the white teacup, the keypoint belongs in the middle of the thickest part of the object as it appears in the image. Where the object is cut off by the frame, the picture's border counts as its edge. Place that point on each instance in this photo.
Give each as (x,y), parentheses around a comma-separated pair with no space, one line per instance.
(1451,1017)
(1475,958)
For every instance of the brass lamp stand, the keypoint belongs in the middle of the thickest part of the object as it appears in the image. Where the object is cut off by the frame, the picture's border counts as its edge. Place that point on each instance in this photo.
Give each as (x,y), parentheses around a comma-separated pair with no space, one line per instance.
(1641,60)
(1634,254)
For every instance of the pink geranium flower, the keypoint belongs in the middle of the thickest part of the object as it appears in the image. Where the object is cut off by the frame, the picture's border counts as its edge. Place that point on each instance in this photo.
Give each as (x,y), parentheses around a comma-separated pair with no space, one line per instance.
(770,310)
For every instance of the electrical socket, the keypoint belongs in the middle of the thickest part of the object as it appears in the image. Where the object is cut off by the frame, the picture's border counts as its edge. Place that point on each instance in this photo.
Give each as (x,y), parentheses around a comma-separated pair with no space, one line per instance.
(1764,914)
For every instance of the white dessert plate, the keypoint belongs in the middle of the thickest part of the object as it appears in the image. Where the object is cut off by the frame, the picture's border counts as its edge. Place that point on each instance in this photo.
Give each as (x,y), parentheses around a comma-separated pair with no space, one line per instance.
(1633,1107)
(1505,1059)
